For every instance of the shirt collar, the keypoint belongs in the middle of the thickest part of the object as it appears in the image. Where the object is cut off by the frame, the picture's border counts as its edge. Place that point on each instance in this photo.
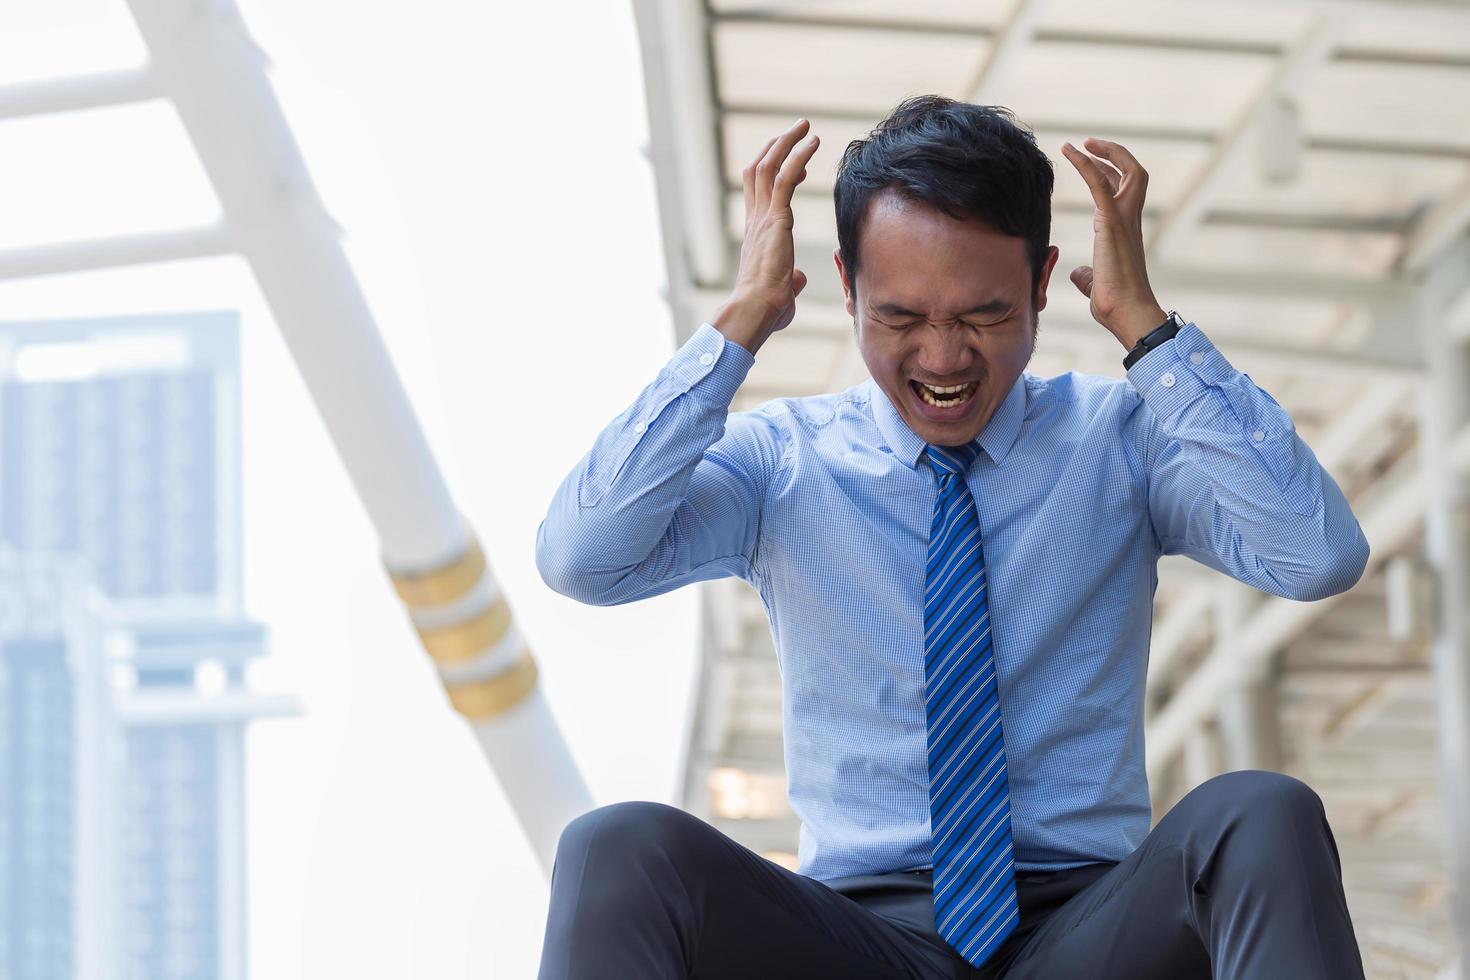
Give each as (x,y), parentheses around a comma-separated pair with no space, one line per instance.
(996,438)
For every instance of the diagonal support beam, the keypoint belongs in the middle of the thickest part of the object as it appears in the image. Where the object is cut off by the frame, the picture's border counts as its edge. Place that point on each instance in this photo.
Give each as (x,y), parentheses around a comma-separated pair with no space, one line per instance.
(1389,527)
(1310,51)
(1332,450)
(211,69)
(1006,50)
(1433,233)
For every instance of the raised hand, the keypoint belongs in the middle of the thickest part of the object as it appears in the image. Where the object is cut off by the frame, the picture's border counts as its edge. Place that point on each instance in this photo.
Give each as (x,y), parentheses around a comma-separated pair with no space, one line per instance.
(1116,284)
(768,282)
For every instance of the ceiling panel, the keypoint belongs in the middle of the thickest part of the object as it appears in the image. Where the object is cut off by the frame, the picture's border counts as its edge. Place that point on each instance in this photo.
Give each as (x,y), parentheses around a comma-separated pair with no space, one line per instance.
(982,14)
(1134,86)
(1328,184)
(1424,31)
(810,68)
(1362,255)
(1391,103)
(1267,24)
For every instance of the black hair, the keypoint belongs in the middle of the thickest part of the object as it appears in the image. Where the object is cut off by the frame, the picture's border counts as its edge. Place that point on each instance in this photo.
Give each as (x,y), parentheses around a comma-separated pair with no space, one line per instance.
(969,161)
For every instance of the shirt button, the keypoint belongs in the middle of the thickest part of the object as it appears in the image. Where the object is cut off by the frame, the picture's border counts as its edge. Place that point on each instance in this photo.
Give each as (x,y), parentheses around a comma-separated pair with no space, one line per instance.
(1258,435)
(1167,379)
(706,358)
(640,426)
(1196,358)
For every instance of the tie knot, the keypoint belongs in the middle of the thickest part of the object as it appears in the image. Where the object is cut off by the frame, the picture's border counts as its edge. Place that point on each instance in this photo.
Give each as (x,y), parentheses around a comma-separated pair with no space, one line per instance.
(952,460)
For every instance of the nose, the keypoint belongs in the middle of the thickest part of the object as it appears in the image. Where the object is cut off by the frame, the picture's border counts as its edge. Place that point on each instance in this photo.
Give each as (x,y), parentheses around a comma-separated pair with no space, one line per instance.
(946,354)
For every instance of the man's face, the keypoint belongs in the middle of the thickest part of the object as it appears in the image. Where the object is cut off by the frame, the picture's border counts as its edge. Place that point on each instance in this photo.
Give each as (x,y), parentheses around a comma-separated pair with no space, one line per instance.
(946,302)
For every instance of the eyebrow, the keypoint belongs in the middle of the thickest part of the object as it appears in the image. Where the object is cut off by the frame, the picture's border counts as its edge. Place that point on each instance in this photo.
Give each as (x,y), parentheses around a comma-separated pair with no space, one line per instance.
(991,306)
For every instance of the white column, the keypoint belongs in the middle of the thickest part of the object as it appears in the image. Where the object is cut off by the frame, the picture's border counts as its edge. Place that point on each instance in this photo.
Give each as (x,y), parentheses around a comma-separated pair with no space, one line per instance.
(1204,756)
(1445,414)
(1248,721)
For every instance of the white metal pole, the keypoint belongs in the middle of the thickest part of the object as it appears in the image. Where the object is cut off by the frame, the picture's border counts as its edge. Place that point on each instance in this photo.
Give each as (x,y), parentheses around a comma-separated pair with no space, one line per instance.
(204,60)
(1445,413)
(1248,721)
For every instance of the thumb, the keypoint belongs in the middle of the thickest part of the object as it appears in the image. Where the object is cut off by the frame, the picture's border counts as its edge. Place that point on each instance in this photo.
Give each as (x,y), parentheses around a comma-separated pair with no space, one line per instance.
(798,282)
(1082,278)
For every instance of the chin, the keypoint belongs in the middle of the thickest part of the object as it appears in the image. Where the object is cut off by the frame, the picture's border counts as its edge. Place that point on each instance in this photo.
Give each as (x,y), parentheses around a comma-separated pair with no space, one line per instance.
(941,436)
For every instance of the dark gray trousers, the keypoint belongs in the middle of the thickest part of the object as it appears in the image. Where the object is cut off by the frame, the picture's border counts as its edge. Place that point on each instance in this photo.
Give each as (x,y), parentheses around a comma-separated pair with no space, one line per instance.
(1241,879)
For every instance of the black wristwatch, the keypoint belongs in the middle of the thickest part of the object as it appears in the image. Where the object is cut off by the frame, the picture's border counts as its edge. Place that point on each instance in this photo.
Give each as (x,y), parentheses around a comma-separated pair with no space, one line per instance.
(1172,324)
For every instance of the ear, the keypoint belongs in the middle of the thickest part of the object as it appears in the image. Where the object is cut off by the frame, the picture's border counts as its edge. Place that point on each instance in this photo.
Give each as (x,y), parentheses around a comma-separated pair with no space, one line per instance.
(847,290)
(1052,253)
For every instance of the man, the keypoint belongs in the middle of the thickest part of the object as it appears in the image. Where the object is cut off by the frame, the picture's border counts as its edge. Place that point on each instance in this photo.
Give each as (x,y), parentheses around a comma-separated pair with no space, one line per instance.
(958,560)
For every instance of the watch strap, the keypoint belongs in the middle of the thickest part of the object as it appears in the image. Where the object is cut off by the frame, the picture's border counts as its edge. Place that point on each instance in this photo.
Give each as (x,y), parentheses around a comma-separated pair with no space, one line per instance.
(1152,339)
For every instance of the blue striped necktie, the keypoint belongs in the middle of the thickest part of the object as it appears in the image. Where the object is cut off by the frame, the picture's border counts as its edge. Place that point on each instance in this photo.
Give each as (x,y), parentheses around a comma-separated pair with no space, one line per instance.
(969,792)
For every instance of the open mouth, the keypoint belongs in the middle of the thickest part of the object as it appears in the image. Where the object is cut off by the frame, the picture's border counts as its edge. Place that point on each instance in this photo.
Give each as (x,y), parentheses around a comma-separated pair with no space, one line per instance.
(945,396)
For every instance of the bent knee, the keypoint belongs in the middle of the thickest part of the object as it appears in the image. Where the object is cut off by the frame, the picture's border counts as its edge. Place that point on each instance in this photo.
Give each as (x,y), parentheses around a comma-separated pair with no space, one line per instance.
(1260,791)
(630,828)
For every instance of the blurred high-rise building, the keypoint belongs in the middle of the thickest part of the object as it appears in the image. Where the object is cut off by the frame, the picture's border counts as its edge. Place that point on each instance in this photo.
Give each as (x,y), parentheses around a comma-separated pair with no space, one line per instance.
(123,650)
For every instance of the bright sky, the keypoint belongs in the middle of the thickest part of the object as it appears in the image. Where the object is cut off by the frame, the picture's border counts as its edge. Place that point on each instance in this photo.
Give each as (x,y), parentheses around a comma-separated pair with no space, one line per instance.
(485,164)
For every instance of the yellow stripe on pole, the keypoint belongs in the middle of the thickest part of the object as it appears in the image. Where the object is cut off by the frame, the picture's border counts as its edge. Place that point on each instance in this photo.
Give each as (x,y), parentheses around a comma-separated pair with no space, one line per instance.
(444,584)
(470,638)
(479,700)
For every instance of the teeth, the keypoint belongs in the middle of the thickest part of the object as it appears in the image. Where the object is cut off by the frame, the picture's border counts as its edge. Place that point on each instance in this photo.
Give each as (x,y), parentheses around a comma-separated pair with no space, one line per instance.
(927,391)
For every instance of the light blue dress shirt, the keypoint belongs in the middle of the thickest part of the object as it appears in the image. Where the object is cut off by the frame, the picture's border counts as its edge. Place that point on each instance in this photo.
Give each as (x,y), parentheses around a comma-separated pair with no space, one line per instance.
(824,505)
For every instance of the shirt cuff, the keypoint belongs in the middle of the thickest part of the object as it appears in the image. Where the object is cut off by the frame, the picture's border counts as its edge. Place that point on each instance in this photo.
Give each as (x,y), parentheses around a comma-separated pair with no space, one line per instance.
(711,366)
(1178,371)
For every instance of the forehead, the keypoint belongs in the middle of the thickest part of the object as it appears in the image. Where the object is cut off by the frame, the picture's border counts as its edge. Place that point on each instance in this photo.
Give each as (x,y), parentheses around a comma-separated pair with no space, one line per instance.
(912,251)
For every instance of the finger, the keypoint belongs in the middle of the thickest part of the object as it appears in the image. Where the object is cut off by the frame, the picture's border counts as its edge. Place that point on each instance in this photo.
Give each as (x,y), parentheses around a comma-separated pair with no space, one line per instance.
(1119,155)
(1082,278)
(1102,194)
(747,175)
(798,282)
(1134,176)
(793,172)
(1110,174)
(770,165)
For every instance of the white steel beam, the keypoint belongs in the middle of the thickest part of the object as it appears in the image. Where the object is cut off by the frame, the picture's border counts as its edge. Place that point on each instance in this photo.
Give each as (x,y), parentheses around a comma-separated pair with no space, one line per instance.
(1248,721)
(1181,619)
(1310,51)
(164,707)
(1437,228)
(684,140)
(205,62)
(1389,525)
(1445,435)
(1332,450)
(77,92)
(1006,50)
(1204,756)
(120,250)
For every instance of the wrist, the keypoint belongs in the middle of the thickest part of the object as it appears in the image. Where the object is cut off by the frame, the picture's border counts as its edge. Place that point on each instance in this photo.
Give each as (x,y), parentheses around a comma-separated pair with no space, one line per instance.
(1135,323)
(743,321)
(1154,339)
